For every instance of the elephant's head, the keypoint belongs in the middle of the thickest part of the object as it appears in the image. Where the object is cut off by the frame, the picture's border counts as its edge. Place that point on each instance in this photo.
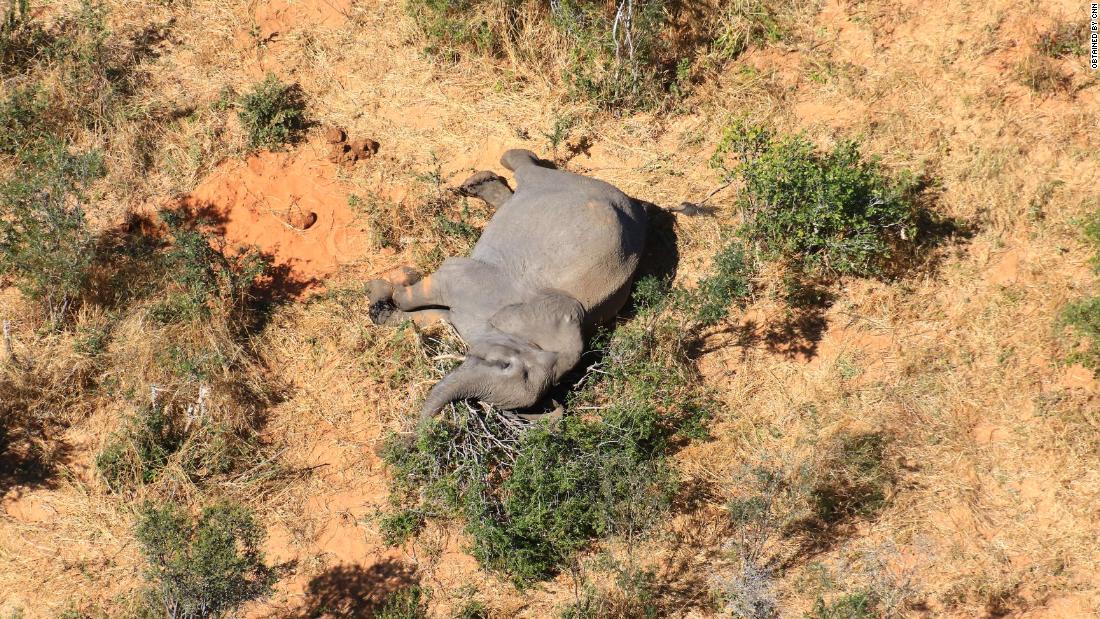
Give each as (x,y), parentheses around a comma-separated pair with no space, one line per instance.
(524,350)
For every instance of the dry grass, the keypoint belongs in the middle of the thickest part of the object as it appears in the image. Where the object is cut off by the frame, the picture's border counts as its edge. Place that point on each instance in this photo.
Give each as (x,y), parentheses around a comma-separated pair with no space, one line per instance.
(989,508)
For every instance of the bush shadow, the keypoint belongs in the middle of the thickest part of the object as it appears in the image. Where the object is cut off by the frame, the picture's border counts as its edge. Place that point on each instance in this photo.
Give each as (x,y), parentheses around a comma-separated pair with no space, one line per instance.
(354,591)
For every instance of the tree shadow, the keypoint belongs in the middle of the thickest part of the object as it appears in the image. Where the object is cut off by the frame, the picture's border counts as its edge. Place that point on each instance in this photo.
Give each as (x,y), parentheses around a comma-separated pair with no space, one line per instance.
(354,591)
(27,458)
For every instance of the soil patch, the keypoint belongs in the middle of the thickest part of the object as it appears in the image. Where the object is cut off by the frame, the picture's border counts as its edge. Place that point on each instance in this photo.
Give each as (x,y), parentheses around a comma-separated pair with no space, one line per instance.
(289,205)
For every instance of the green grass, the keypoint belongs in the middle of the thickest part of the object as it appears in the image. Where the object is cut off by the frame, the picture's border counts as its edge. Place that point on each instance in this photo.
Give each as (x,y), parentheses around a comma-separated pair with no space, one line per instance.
(1078,323)
(822,213)
(203,567)
(273,113)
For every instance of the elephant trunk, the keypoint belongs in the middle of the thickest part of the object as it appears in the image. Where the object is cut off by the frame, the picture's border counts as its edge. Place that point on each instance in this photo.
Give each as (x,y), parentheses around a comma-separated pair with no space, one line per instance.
(466,381)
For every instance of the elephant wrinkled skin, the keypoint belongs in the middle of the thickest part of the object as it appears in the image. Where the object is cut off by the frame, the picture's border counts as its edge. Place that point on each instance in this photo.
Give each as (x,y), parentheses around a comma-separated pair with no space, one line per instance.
(556,259)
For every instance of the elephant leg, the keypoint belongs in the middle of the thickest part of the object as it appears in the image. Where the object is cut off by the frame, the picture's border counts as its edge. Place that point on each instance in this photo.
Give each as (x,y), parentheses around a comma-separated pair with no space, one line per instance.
(489,187)
(425,293)
(421,318)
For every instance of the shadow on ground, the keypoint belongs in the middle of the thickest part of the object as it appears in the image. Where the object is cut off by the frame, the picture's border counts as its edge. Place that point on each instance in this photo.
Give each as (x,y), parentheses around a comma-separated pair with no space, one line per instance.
(354,591)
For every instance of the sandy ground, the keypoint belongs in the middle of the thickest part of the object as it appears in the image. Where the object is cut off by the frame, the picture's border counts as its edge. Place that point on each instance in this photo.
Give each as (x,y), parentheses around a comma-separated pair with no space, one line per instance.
(994,512)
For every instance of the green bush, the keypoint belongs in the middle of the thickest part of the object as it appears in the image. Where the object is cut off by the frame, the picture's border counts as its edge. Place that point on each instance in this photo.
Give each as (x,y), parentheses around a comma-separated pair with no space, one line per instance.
(273,114)
(829,212)
(140,450)
(199,271)
(146,443)
(616,65)
(45,243)
(405,603)
(730,283)
(204,567)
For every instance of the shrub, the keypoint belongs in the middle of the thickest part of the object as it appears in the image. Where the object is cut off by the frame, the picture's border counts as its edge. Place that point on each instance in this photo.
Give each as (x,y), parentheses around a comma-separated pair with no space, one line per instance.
(21,38)
(45,243)
(138,453)
(750,593)
(822,213)
(158,435)
(273,114)
(405,603)
(204,567)
(730,282)
(615,57)
(199,270)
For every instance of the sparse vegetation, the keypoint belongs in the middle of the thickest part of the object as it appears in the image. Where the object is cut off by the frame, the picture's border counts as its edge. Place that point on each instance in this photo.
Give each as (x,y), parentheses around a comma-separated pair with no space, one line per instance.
(405,603)
(620,56)
(1042,74)
(273,113)
(1079,321)
(1064,38)
(833,212)
(203,567)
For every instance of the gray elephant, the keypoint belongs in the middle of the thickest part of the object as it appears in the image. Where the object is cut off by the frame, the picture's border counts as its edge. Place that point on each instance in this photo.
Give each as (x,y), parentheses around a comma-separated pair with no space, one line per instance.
(556,260)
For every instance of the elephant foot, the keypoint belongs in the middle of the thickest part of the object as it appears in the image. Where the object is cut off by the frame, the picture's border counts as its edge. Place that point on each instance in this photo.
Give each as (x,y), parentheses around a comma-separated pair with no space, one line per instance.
(489,187)
(381,312)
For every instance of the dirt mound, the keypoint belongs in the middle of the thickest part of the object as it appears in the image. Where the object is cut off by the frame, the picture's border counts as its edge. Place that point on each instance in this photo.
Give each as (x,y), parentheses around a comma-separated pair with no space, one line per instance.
(289,205)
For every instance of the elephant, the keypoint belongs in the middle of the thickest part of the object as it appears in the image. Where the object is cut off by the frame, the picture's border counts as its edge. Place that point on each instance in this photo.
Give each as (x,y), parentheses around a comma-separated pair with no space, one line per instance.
(556,260)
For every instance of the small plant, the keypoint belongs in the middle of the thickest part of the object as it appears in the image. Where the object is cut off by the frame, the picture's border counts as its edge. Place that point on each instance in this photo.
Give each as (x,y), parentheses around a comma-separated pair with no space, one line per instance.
(473,609)
(822,213)
(1065,38)
(1079,321)
(744,23)
(1082,319)
(405,603)
(750,593)
(205,567)
(729,283)
(199,271)
(45,243)
(273,114)
(1041,74)
(859,605)
(140,450)
(400,526)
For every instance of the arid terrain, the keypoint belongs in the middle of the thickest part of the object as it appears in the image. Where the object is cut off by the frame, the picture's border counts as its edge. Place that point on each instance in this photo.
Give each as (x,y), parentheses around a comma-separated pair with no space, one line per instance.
(986,425)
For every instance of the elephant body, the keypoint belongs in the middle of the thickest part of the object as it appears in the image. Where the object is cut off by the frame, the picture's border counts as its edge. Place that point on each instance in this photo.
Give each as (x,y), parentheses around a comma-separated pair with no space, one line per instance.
(556,260)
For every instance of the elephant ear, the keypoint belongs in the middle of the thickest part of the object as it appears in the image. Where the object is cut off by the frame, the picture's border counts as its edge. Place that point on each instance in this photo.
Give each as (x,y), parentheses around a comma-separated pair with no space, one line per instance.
(552,321)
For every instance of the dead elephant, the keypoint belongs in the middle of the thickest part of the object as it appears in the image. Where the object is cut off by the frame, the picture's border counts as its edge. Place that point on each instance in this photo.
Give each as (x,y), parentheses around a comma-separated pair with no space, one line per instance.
(556,260)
